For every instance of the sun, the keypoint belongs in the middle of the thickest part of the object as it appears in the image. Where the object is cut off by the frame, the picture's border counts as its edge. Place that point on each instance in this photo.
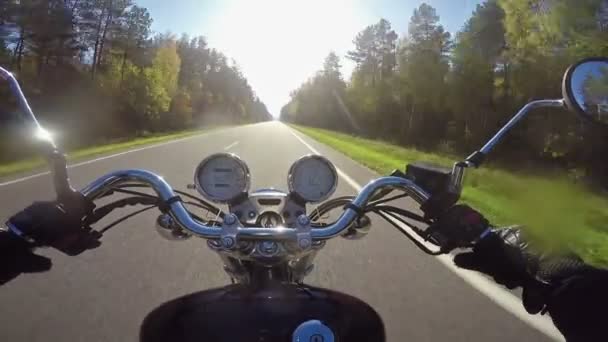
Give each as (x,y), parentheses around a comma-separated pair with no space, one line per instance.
(280,43)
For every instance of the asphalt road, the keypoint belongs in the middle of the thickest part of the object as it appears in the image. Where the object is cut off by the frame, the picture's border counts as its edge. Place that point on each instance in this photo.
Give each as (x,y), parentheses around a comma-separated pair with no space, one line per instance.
(104,294)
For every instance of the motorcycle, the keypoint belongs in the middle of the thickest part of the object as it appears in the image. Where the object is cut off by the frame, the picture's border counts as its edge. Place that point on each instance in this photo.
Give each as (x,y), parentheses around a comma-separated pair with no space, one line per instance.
(268,239)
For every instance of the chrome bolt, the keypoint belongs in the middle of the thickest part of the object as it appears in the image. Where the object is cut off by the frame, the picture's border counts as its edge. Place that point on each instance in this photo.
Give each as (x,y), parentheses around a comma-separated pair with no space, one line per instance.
(230,219)
(304,243)
(165,221)
(303,220)
(228,242)
(268,247)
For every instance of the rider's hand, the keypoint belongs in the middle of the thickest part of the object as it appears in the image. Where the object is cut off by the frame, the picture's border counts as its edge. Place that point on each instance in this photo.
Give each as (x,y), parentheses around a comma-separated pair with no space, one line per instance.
(459,227)
(48,224)
(17,257)
(501,255)
(577,304)
(43,224)
(572,292)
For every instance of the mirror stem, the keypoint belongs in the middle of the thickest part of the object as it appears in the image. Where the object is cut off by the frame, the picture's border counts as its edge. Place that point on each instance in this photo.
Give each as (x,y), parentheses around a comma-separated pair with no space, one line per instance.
(24,105)
(478,157)
(66,195)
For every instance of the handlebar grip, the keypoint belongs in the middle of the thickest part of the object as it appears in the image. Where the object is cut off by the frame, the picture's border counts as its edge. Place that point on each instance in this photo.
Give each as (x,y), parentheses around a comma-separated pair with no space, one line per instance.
(48,224)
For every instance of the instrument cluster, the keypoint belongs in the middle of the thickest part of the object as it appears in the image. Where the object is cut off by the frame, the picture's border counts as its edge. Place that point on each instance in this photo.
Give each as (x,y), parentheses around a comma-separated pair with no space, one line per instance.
(224,178)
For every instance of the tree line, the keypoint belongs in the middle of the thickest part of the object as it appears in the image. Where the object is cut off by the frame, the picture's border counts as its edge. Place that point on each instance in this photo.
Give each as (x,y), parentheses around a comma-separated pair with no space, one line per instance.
(434,91)
(94,71)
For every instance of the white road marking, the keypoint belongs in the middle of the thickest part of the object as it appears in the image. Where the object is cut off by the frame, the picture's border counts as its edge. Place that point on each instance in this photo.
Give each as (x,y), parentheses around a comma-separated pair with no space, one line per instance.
(498,295)
(22,179)
(231,145)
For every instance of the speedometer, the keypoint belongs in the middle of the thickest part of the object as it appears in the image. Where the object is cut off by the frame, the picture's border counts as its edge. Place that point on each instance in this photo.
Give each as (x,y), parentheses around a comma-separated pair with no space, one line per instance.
(313,178)
(222,177)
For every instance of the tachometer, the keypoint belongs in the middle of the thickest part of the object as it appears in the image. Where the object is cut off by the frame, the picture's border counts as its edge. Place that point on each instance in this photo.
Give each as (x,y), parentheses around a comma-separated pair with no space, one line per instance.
(222,177)
(313,178)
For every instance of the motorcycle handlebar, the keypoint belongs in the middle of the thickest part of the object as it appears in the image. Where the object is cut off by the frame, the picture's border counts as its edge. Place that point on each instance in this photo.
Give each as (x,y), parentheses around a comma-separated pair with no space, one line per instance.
(231,227)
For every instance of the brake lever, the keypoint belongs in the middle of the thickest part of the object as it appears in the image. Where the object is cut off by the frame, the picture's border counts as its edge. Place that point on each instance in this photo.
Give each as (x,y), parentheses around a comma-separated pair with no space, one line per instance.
(391,217)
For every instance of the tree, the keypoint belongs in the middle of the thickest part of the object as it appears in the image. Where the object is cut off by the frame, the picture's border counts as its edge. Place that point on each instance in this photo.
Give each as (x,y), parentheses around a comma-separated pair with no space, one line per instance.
(370,90)
(167,62)
(375,51)
(423,69)
(508,53)
(131,35)
(181,109)
(51,34)
(594,91)
(364,54)
(320,101)
(331,67)
(476,67)
(17,19)
(4,52)
(194,55)
(99,18)
(139,83)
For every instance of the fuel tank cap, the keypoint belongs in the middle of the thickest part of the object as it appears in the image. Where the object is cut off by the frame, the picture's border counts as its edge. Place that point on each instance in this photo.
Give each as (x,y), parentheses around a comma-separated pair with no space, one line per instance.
(313,331)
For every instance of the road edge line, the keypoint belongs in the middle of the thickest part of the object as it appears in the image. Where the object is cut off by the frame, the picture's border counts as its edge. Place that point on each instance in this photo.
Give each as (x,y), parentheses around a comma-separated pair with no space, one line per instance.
(231,145)
(499,296)
(90,161)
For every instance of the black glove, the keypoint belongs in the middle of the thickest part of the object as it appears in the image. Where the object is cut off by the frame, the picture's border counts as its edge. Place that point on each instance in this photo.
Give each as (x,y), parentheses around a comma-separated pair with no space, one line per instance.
(501,255)
(17,257)
(459,227)
(574,294)
(48,224)
(577,305)
(43,224)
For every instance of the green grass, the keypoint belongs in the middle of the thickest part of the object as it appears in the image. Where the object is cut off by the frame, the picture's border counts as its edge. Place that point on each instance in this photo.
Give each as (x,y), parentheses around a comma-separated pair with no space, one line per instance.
(555,212)
(93,151)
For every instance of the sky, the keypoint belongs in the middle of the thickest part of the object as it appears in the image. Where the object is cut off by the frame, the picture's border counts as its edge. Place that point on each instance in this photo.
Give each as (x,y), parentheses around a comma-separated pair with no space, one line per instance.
(279,44)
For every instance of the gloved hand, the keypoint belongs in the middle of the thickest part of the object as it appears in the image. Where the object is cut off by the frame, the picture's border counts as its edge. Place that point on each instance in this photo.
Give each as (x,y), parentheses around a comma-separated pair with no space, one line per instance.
(17,257)
(577,304)
(572,292)
(501,255)
(48,224)
(43,224)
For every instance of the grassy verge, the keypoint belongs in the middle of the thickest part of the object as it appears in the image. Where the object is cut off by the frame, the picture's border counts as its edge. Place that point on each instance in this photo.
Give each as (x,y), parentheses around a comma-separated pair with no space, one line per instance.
(93,151)
(556,212)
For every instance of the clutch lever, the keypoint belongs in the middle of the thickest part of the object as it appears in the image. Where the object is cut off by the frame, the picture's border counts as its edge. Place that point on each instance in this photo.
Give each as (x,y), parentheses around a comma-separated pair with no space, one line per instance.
(102,212)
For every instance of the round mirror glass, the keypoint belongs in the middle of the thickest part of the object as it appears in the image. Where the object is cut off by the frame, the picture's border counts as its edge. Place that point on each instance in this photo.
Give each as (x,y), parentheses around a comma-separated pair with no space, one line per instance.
(586,90)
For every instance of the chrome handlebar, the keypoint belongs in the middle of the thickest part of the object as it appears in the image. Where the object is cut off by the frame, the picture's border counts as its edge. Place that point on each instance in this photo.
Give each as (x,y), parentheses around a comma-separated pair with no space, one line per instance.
(231,230)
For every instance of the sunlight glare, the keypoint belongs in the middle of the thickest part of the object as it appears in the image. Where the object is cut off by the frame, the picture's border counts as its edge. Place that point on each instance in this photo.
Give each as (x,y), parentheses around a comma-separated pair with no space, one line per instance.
(43,134)
(281,43)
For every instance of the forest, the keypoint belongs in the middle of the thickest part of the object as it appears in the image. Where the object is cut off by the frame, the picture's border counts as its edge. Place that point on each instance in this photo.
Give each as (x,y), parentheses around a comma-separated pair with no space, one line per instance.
(448,94)
(93,71)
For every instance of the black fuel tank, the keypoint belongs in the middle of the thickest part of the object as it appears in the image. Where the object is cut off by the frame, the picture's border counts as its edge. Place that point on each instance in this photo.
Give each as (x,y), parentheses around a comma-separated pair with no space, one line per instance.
(267,314)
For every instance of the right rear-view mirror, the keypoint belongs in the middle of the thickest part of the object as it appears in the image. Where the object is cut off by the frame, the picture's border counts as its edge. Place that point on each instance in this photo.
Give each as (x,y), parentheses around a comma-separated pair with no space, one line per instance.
(585,90)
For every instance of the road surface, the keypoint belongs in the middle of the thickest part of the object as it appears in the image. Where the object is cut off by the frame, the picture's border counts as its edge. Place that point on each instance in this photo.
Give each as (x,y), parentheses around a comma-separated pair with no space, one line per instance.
(104,294)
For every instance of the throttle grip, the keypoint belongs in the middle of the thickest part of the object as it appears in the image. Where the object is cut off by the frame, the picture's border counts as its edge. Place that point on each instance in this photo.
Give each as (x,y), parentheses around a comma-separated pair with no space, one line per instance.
(49,224)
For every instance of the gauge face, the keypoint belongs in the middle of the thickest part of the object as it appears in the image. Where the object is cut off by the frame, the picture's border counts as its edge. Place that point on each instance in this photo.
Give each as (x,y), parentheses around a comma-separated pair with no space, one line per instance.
(313,178)
(222,177)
